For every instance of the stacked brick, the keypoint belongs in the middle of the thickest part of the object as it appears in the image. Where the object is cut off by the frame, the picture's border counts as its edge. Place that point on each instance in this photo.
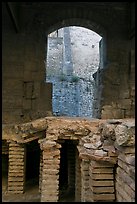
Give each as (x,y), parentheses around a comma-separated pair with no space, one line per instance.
(125,176)
(85,191)
(16,173)
(50,172)
(101,182)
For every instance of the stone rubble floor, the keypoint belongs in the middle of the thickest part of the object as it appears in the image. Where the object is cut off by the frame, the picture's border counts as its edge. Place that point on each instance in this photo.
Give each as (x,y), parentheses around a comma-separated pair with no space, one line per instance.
(31,194)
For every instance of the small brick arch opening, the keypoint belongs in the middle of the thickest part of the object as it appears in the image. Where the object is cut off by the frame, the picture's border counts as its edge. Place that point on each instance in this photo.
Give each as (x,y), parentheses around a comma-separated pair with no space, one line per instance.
(67,170)
(5,164)
(32,163)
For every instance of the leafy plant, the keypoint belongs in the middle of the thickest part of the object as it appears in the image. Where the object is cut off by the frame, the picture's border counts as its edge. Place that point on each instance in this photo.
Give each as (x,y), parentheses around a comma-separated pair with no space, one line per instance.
(74,79)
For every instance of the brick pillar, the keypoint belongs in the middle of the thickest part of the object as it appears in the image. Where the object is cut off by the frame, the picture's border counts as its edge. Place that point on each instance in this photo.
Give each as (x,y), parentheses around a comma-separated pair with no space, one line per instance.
(85,180)
(16,172)
(101,182)
(50,172)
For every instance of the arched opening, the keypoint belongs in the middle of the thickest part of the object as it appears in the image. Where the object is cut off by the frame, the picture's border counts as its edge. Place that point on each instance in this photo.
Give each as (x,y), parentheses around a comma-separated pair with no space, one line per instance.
(67,171)
(32,168)
(5,165)
(74,54)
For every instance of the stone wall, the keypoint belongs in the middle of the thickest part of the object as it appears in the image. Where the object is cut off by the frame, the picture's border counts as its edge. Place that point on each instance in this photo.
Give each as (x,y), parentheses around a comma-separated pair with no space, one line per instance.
(72,98)
(25,95)
(118,103)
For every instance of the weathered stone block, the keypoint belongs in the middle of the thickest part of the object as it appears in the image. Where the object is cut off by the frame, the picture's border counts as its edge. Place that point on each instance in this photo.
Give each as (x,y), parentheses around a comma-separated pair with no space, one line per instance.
(102,189)
(102,176)
(103,183)
(103,197)
(101,170)
(101,164)
(125,135)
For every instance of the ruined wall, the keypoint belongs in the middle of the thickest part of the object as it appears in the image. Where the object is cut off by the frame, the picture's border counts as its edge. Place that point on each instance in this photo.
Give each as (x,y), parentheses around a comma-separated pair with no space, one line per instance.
(115,84)
(106,157)
(25,94)
(103,166)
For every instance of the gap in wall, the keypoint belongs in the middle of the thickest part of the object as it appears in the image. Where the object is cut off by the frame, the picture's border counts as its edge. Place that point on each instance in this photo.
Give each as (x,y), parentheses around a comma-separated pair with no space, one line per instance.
(67,171)
(73,56)
(5,164)
(32,163)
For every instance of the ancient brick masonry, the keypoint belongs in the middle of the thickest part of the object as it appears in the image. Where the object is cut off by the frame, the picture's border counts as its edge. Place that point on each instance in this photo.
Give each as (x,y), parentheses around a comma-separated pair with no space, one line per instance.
(50,172)
(125,177)
(85,191)
(104,159)
(103,153)
(101,181)
(16,172)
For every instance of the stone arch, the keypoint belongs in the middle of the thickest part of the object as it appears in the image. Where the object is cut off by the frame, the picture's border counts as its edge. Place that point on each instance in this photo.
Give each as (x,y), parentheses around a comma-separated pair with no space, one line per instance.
(73,17)
(81,22)
(93,26)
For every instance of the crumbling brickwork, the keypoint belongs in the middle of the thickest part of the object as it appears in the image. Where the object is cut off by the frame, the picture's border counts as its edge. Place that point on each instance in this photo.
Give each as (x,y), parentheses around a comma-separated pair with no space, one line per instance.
(100,169)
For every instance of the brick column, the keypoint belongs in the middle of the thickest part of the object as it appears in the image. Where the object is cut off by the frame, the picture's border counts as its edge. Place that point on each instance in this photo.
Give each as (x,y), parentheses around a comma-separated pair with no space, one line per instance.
(84,180)
(50,172)
(101,182)
(16,172)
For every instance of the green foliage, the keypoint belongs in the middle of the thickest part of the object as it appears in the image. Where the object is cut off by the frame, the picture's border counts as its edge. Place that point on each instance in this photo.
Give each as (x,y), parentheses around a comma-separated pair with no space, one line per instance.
(74,79)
